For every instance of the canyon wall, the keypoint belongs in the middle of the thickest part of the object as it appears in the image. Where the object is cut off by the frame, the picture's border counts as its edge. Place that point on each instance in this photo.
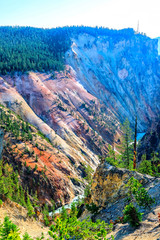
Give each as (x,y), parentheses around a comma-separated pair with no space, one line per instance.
(122,71)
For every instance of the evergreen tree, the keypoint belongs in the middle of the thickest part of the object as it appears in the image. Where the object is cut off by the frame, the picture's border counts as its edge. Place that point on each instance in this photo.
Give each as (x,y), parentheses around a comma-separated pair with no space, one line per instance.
(145,166)
(9,230)
(135,145)
(30,207)
(111,157)
(126,146)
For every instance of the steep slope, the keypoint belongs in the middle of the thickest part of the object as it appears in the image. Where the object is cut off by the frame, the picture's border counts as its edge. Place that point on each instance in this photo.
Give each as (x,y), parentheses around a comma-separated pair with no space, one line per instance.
(76,123)
(149,229)
(109,193)
(42,167)
(12,99)
(121,70)
(18,215)
(67,108)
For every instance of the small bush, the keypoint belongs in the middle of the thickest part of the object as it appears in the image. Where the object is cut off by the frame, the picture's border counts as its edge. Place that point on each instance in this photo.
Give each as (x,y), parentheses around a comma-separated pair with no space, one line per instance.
(139,194)
(143,199)
(132,216)
(92,208)
(87,190)
(27,237)
(9,230)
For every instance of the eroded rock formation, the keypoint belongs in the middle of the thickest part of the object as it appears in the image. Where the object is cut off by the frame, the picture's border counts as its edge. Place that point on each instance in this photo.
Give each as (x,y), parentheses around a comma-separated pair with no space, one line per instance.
(108,189)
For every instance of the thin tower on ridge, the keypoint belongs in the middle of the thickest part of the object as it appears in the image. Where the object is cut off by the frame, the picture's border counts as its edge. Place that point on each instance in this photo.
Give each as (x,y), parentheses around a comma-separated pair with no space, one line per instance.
(138,27)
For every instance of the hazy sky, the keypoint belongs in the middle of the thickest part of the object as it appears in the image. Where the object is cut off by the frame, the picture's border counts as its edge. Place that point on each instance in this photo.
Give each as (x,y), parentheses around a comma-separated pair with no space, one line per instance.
(116,14)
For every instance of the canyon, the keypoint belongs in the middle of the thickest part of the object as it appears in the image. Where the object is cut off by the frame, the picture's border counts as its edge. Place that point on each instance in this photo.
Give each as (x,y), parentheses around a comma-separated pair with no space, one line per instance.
(107,78)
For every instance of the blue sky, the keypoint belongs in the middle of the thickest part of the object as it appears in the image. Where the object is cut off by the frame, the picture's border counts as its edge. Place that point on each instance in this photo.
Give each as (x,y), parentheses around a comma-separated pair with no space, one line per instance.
(116,14)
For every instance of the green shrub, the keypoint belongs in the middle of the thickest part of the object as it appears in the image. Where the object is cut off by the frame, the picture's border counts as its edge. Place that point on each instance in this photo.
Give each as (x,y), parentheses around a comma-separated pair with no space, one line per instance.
(145,166)
(131,215)
(73,228)
(92,208)
(67,226)
(30,208)
(88,171)
(139,194)
(143,199)
(9,231)
(64,228)
(27,237)
(42,237)
(87,190)
(111,158)
(46,215)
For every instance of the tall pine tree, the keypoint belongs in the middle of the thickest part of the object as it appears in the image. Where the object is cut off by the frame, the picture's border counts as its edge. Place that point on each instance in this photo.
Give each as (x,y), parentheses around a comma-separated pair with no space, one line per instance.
(126,146)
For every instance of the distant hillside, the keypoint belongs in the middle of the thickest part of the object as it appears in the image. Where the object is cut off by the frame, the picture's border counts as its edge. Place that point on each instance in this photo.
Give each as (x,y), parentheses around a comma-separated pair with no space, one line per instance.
(27,48)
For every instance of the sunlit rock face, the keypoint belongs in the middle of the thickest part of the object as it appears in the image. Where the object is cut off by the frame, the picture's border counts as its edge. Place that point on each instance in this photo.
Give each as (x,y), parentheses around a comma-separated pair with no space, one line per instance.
(121,70)
(109,193)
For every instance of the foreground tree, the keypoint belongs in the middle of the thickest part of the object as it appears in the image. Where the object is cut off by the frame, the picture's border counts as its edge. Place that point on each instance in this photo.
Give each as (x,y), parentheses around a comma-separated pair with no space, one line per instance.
(126,146)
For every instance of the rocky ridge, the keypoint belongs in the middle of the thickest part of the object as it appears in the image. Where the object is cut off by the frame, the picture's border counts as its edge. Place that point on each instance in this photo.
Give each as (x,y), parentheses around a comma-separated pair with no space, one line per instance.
(109,193)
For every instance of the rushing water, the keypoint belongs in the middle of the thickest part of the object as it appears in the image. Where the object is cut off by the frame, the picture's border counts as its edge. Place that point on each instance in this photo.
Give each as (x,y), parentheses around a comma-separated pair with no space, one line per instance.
(68,206)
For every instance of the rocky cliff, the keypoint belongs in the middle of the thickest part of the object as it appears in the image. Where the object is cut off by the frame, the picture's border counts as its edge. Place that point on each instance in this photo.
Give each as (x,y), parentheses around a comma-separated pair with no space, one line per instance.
(108,192)
(121,70)
(108,186)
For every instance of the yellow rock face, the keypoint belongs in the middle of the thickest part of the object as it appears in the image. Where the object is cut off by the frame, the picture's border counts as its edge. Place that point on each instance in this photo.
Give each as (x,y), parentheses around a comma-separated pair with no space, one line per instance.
(108,184)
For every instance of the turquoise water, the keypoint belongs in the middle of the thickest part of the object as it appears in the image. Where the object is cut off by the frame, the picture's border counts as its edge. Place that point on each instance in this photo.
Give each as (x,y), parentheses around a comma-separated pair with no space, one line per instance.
(140,136)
